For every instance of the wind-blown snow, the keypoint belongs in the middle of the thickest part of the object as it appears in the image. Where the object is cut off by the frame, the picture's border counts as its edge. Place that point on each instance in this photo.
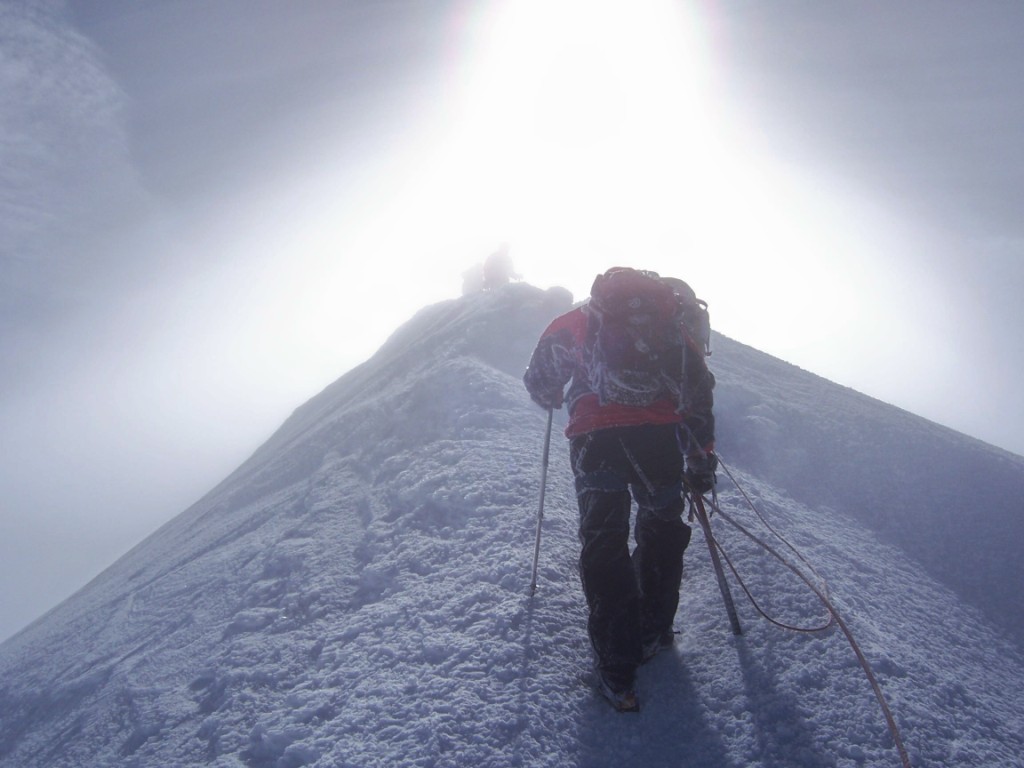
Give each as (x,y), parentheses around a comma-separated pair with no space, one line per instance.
(356,593)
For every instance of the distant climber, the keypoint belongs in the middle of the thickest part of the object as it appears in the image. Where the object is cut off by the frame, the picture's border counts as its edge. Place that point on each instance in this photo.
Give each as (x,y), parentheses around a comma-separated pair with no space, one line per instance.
(640,427)
(498,270)
(495,271)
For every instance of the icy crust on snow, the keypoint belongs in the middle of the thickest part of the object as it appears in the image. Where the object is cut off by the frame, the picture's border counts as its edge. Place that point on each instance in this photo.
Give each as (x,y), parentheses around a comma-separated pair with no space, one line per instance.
(356,595)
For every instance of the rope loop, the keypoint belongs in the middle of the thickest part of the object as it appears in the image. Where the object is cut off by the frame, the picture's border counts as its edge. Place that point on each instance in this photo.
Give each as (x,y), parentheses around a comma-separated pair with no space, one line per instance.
(817,585)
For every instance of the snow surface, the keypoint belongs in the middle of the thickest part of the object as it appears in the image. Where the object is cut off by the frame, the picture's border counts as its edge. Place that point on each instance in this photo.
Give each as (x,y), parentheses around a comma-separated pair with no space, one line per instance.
(356,593)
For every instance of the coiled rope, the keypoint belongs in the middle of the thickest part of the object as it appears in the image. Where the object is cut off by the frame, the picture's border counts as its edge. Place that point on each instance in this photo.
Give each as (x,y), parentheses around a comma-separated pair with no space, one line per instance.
(819,589)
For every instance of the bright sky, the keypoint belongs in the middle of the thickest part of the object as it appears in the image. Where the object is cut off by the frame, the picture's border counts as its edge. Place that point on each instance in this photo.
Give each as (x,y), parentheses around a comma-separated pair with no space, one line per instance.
(208,212)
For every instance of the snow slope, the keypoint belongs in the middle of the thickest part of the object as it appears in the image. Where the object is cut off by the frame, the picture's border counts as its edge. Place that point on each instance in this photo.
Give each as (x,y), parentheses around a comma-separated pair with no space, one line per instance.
(953,503)
(356,593)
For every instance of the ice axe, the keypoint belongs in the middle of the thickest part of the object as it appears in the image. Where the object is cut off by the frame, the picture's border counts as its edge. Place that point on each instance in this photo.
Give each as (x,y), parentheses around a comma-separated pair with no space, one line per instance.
(716,561)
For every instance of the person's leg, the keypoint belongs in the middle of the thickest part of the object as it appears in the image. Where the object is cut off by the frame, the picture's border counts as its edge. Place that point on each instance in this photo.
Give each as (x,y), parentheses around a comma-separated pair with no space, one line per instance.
(609,584)
(661,539)
(660,533)
(606,570)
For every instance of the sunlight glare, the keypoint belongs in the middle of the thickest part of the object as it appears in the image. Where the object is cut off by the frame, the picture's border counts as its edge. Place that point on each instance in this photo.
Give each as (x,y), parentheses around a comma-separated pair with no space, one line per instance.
(584,135)
(579,121)
(590,134)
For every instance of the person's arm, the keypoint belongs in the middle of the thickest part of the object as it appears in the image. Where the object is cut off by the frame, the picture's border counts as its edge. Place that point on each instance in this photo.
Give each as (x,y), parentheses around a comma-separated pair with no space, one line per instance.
(552,363)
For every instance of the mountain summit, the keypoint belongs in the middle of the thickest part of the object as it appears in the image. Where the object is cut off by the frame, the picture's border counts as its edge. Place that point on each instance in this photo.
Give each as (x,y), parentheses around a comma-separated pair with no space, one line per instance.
(356,593)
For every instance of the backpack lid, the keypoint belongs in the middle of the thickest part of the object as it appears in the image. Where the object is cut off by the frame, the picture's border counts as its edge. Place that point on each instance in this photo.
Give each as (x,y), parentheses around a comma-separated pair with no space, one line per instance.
(624,290)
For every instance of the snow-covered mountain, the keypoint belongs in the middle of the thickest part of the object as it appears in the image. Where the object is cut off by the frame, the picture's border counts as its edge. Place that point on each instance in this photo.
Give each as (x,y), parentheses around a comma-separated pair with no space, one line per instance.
(356,594)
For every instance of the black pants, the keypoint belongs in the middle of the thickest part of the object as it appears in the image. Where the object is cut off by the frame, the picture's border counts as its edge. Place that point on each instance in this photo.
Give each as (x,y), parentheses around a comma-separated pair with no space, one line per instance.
(631,598)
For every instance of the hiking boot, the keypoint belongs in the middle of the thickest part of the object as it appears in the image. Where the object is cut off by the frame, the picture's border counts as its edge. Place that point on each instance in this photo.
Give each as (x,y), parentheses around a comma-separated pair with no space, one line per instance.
(657,644)
(619,691)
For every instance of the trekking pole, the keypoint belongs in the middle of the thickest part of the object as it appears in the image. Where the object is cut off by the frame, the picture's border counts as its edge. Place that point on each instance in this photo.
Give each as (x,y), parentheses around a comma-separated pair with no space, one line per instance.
(723,585)
(540,506)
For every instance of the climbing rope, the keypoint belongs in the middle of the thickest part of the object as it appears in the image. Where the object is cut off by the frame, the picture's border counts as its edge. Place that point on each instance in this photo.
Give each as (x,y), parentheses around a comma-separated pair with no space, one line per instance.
(819,589)
(768,525)
(828,621)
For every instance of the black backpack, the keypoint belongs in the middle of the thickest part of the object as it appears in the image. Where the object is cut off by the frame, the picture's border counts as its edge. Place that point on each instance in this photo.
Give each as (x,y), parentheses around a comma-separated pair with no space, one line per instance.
(635,338)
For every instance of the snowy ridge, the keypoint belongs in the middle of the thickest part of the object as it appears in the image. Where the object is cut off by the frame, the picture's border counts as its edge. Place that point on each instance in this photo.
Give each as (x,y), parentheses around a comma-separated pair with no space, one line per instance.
(355,595)
(953,503)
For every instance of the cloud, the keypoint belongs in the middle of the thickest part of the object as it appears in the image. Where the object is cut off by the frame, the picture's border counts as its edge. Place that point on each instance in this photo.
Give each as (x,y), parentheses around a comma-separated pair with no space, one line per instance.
(66,181)
(918,101)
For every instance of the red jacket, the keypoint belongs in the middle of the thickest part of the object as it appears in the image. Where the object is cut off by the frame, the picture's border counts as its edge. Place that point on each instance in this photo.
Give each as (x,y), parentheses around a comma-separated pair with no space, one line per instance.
(560,358)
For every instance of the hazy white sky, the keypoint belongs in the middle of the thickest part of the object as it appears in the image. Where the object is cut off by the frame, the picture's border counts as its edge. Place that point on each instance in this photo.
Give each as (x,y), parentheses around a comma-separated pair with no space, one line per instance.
(209,211)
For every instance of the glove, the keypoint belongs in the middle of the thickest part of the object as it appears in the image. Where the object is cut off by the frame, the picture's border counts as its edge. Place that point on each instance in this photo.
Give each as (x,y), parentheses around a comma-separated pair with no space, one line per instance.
(700,472)
(548,400)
